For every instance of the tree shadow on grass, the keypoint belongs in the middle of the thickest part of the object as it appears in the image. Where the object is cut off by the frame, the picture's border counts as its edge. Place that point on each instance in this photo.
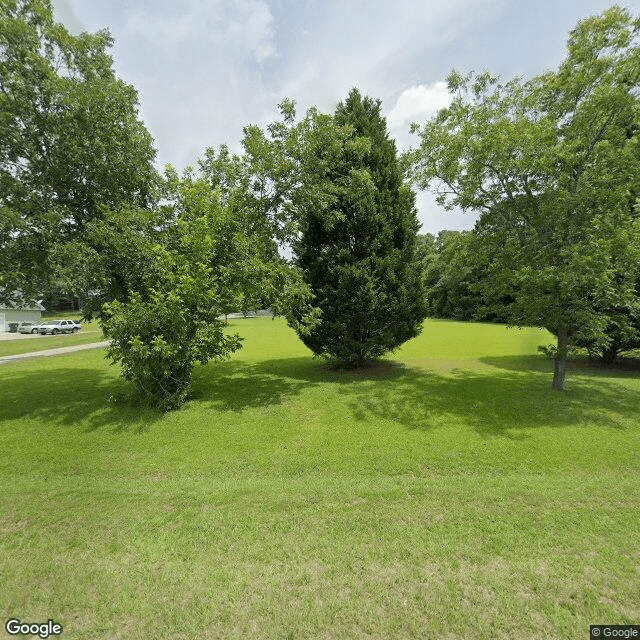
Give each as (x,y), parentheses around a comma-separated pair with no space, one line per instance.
(494,403)
(238,385)
(71,396)
(504,401)
(532,363)
(576,367)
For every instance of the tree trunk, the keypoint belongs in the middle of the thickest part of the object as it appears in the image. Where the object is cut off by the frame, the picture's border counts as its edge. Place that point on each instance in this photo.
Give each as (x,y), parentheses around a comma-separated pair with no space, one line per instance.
(610,354)
(560,360)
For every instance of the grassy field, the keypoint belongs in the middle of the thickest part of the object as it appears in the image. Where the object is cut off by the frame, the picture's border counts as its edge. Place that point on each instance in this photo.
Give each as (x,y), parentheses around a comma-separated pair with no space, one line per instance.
(447,493)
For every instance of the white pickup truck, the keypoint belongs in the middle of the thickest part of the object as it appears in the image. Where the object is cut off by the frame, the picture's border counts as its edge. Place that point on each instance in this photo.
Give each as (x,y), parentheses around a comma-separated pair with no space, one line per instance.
(58,326)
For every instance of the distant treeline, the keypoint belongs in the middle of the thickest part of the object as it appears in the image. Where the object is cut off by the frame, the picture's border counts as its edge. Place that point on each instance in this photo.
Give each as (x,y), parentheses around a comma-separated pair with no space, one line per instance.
(455,279)
(460,285)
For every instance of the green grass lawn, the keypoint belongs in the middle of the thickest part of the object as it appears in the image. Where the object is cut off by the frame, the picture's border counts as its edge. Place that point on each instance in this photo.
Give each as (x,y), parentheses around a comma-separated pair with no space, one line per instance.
(42,343)
(446,493)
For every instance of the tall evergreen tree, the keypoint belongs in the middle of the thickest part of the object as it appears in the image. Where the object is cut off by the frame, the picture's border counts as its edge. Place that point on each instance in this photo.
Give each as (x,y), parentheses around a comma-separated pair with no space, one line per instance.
(358,253)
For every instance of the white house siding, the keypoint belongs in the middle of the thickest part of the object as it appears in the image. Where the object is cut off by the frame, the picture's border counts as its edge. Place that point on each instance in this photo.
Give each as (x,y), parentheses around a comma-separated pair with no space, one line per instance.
(18,315)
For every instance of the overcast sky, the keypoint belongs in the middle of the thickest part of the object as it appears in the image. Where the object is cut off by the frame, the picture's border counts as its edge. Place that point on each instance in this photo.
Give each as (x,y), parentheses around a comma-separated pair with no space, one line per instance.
(206,68)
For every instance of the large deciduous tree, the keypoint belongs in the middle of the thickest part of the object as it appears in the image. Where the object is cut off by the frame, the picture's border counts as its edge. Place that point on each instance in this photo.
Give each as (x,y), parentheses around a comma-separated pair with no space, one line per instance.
(552,163)
(71,142)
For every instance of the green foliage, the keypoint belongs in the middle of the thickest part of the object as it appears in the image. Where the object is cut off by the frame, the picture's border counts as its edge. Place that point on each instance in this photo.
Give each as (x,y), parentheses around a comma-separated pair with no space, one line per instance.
(167,321)
(282,171)
(261,188)
(72,144)
(168,276)
(455,275)
(553,165)
(356,242)
(120,255)
(158,341)
(621,333)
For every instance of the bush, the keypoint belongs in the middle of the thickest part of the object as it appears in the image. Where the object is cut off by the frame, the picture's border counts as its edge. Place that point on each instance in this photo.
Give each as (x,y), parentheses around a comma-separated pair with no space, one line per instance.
(159,340)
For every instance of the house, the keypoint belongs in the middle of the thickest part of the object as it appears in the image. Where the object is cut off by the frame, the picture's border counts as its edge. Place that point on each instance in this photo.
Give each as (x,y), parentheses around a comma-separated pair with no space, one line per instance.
(13,313)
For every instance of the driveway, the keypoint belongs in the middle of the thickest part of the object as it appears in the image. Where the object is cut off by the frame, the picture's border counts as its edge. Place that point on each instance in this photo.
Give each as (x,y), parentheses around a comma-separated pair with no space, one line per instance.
(53,352)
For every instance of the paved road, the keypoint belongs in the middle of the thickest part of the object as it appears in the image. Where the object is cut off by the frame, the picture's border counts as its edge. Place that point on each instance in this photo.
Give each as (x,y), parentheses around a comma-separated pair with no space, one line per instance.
(54,352)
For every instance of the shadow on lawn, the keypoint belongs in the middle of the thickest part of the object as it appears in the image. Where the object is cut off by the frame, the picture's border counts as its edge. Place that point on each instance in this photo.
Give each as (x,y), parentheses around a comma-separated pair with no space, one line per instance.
(238,385)
(71,396)
(576,367)
(494,403)
(505,400)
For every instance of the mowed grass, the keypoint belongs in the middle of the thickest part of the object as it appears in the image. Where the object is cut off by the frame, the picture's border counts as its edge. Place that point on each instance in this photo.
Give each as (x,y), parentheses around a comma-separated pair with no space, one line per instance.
(445,493)
(43,343)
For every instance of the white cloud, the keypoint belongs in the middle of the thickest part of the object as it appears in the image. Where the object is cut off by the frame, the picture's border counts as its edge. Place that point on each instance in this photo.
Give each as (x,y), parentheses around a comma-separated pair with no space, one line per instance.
(416,104)
(63,11)
(258,29)
(419,102)
(378,47)
(241,27)
(206,68)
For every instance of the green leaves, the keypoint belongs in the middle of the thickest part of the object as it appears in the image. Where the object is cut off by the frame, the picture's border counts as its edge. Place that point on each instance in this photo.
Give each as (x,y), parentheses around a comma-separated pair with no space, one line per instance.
(357,242)
(71,143)
(551,163)
(168,320)
(158,340)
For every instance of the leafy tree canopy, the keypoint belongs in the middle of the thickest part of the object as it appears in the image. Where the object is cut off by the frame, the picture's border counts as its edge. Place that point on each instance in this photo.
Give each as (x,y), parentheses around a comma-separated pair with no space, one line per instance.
(553,164)
(456,270)
(357,239)
(71,142)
